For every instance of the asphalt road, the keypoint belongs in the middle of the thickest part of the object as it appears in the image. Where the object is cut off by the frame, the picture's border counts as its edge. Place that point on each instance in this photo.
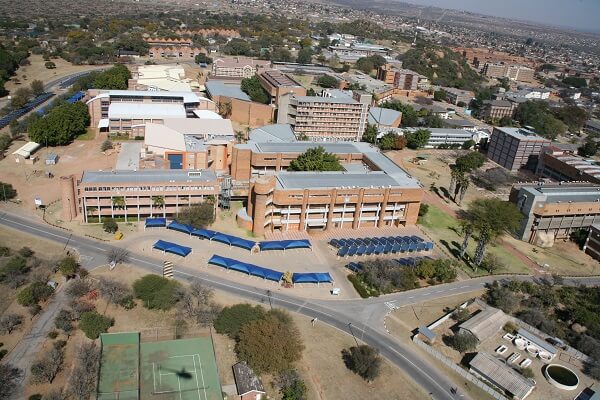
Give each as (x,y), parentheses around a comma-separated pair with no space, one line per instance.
(360,318)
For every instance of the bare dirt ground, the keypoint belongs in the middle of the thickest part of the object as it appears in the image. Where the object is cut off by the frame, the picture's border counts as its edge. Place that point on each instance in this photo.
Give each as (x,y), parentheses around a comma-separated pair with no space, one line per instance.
(37,71)
(30,180)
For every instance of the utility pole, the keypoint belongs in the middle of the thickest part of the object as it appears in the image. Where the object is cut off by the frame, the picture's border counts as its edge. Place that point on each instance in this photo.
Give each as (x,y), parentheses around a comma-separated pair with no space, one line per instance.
(352,333)
(269,296)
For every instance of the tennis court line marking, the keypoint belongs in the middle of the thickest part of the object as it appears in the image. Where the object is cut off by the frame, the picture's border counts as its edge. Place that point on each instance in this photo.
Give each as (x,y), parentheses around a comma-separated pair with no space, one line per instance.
(202,374)
(196,375)
(195,372)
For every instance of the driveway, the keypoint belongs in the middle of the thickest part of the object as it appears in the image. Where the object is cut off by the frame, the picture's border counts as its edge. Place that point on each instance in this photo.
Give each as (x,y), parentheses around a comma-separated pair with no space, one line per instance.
(129,156)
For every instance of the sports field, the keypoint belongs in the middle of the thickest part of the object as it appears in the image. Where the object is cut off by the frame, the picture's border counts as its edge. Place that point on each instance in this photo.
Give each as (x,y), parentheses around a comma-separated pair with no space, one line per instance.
(119,363)
(183,369)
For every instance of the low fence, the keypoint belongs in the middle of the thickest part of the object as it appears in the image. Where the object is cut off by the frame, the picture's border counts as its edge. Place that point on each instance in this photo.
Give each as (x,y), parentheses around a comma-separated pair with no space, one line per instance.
(460,371)
(173,332)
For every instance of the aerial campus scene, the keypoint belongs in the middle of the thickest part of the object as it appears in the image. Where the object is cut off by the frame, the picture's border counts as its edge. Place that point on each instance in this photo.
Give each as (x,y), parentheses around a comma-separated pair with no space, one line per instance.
(299,200)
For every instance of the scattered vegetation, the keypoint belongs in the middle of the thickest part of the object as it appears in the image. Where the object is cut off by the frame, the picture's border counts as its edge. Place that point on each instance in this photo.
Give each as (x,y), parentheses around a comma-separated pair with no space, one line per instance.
(363,360)
(316,159)
(198,215)
(157,292)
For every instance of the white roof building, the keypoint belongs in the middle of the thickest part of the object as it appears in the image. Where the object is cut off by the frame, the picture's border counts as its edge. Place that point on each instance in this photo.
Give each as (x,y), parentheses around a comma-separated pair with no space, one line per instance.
(168,77)
(145,111)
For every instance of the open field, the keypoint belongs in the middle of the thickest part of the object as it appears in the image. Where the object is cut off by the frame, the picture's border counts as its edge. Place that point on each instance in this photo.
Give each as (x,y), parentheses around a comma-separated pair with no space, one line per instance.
(444,229)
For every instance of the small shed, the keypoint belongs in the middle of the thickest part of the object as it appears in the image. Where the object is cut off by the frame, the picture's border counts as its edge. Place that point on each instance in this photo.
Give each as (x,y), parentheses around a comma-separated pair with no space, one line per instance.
(24,153)
(51,159)
(484,324)
(427,333)
(248,384)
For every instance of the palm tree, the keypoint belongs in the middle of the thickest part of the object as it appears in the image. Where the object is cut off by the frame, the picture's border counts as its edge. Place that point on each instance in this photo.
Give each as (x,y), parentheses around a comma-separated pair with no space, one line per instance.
(91,210)
(463,185)
(466,228)
(158,201)
(225,109)
(118,202)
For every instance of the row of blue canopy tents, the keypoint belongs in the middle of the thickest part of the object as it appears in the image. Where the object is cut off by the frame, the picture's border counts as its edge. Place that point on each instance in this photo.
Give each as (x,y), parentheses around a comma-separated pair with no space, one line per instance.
(367,241)
(229,239)
(372,249)
(267,273)
(174,248)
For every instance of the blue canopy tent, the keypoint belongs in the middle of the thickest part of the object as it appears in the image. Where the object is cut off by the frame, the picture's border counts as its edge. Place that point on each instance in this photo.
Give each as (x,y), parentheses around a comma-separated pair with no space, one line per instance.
(204,233)
(233,241)
(155,222)
(174,248)
(247,268)
(176,226)
(312,277)
(285,245)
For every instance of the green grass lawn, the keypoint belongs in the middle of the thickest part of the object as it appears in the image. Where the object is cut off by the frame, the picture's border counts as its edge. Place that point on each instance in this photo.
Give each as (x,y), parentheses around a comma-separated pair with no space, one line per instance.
(444,229)
(88,135)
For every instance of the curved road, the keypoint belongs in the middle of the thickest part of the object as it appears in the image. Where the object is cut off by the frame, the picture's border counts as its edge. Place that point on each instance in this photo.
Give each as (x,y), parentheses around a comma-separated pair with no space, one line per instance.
(361,318)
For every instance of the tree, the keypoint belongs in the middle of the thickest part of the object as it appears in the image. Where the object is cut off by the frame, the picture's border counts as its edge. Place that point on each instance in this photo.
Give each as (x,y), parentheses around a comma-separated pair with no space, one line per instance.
(7,191)
(238,47)
(365,64)
(462,342)
(492,263)
(110,225)
(82,382)
(45,369)
(156,292)
(117,256)
(575,117)
(417,139)
(579,236)
(439,95)
(281,54)
(327,81)
(470,161)
(197,304)
(68,266)
(536,113)
(461,314)
(231,319)
(37,87)
(198,216)
(575,81)
(8,322)
(253,88)
(61,125)
(468,144)
(409,115)
(491,218)
(505,121)
(115,78)
(269,345)
(363,360)
(291,387)
(13,272)
(203,59)
(49,65)
(5,140)
(304,56)
(93,324)
(588,149)
(64,321)
(388,141)
(34,293)
(113,291)
(370,134)
(316,159)
(501,297)
(10,376)
(20,97)
(432,121)
(78,288)
(423,209)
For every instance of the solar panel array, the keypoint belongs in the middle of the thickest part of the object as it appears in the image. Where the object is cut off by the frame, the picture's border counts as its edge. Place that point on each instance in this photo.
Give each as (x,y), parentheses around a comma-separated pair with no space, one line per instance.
(4,121)
(379,245)
(403,262)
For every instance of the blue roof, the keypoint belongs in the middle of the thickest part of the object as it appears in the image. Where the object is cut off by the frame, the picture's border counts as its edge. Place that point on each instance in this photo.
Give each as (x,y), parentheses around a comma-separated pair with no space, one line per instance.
(155,222)
(170,247)
(205,233)
(311,277)
(76,97)
(176,226)
(233,240)
(285,244)
(247,268)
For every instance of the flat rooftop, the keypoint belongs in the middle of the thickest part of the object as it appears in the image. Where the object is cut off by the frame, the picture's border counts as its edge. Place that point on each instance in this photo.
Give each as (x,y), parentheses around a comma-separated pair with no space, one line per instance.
(150,176)
(187,97)
(566,193)
(319,99)
(225,89)
(277,79)
(316,180)
(521,133)
(128,110)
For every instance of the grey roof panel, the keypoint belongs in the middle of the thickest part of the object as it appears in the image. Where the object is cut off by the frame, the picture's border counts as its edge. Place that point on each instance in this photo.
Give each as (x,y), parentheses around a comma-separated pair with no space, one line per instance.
(226,89)
(154,175)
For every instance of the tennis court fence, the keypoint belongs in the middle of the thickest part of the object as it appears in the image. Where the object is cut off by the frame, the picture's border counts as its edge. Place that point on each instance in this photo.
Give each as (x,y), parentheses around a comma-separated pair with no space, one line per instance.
(171,333)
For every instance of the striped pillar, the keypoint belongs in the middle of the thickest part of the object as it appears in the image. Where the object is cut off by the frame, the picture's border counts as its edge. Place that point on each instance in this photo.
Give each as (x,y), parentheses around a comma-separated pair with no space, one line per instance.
(168,270)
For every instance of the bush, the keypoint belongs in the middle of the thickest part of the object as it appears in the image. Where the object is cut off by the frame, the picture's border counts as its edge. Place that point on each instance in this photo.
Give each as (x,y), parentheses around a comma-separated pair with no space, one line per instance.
(327,81)
(510,327)
(3,352)
(7,191)
(106,145)
(52,334)
(197,215)
(93,324)
(231,319)
(49,65)
(462,342)
(26,252)
(363,360)
(156,292)
(34,293)
(527,372)
(68,266)
(110,225)
(269,345)
(359,286)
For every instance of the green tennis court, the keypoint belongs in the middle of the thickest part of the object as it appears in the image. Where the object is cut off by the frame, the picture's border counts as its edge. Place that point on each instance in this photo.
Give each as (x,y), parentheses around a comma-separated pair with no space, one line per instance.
(119,362)
(183,369)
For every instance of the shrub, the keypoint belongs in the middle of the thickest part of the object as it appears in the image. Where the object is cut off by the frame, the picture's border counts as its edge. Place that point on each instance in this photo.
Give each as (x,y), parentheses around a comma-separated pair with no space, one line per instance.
(231,319)
(527,372)
(106,145)
(110,225)
(3,352)
(359,286)
(93,324)
(156,292)
(197,215)
(68,266)
(363,360)
(34,293)
(26,252)
(52,334)
(510,327)
(462,342)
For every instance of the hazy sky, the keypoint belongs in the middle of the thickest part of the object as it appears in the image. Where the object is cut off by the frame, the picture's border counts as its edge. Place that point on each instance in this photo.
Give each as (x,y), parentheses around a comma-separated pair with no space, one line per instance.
(581,14)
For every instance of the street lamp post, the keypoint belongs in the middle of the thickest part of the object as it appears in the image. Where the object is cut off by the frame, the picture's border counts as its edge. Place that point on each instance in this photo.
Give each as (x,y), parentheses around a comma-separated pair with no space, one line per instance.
(352,333)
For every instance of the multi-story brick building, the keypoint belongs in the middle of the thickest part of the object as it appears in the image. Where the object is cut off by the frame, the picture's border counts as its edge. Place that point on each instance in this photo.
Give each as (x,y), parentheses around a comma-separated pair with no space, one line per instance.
(553,211)
(121,110)
(135,195)
(496,109)
(400,78)
(514,148)
(455,96)
(238,67)
(562,166)
(372,191)
(333,117)
(277,84)
(175,52)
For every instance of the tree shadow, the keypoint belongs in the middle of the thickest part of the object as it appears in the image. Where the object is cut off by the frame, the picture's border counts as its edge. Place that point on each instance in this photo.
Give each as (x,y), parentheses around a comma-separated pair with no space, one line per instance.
(454,250)
(467,358)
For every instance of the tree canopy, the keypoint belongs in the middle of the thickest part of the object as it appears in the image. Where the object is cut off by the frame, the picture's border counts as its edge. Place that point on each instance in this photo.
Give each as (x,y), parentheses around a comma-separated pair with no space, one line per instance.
(327,81)
(156,292)
(367,64)
(316,159)
(417,139)
(363,360)
(93,324)
(252,87)
(470,161)
(197,215)
(537,114)
(61,125)
(231,319)
(409,115)
(113,78)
